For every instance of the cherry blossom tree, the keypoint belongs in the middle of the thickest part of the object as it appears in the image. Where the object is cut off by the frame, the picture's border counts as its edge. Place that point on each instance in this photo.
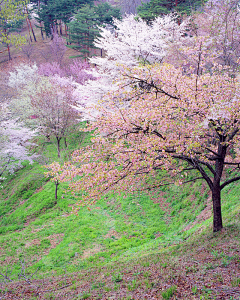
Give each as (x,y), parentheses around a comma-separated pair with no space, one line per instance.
(14,144)
(55,50)
(219,21)
(76,70)
(54,173)
(53,104)
(29,79)
(132,43)
(185,126)
(45,103)
(23,80)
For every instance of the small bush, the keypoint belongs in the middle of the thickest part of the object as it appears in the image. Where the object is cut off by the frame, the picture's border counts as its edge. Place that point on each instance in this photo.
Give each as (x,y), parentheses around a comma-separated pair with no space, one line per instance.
(45,243)
(235,282)
(117,278)
(169,292)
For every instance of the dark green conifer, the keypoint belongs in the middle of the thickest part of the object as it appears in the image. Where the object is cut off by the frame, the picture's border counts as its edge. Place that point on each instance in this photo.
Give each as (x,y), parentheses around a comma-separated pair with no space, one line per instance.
(83,28)
(150,10)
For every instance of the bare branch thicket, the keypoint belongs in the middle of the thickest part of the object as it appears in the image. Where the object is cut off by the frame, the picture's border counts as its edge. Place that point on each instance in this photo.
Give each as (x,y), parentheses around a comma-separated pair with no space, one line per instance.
(27,276)
(28,50)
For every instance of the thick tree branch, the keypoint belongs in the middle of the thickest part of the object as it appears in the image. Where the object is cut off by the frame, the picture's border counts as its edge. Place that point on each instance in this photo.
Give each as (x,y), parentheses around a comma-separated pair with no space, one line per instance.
(152,85)
(195,164)
(169,183)
(231,136)
(215,153)
(229,181)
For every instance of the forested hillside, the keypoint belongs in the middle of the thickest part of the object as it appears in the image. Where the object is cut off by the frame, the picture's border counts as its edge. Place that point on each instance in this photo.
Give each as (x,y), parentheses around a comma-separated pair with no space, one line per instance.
(119,157)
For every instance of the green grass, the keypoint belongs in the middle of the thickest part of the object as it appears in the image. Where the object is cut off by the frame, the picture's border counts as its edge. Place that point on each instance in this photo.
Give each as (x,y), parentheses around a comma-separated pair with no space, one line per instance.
(167,294)
(119,228)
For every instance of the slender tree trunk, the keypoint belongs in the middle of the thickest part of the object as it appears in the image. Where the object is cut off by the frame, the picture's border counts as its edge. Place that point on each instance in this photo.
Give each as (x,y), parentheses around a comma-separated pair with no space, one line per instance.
(41,31)
(8,48)
(58,146)
(65,142)
(66,30)
(60,27)
(56,189)
(29,30)
(30,25)
(40,21)
(56,27)
(9,54)
(32,31)
(217,212)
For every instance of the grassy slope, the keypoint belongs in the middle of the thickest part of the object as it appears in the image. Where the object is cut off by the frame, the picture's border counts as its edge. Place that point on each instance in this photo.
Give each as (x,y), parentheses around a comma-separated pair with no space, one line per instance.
(123,233)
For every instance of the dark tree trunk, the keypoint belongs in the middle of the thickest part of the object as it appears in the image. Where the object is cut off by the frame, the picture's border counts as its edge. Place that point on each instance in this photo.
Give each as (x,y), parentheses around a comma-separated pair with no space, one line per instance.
(8,48)
(41,31)
(30,24)
(216,188)
(58,146)
(56,28)
(9,54)
(66,30)
(65,142)
(217,213)
(29,30)
(60,27)
(56,189)
(32,31)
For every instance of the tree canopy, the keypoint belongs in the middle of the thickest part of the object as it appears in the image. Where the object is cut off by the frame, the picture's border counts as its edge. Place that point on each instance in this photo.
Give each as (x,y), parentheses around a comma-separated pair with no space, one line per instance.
(51,12)
(11,13)
(84,26)
(175,120)
(150,10)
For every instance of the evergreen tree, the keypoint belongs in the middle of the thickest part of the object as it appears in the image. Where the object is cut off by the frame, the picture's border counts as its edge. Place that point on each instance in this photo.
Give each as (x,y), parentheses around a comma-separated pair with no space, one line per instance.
(51,12)
(107,13)
(84,26)
(150,10)
(83,30)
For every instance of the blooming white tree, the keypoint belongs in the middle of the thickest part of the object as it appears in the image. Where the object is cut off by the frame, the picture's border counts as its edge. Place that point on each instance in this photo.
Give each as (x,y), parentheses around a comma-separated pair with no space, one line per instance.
(14,143)
(23,79)
(54,105)
(47,101)
(132,43)
(220,22)
(29,79)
